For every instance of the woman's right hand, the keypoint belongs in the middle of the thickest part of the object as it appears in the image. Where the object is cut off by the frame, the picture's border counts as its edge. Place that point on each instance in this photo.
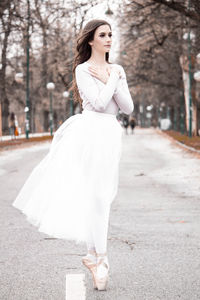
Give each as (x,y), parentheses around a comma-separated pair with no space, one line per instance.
(102,75)
(99,74)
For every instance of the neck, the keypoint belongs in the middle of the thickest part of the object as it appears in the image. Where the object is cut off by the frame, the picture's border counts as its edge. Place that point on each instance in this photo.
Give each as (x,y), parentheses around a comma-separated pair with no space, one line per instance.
(98,58)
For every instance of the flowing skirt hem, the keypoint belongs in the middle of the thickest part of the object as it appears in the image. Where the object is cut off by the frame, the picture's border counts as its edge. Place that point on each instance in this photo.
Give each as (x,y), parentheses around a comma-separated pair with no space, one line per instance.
(77,179)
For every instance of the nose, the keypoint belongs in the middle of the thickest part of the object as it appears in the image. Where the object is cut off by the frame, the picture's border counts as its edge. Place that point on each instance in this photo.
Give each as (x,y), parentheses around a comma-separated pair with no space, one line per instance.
(108,38)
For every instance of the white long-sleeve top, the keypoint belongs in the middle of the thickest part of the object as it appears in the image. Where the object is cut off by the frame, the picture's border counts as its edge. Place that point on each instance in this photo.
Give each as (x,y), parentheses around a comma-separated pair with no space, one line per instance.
(101,97)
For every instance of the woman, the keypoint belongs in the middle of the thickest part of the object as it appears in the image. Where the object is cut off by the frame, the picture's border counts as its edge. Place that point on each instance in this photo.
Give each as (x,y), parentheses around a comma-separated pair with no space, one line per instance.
(68,195)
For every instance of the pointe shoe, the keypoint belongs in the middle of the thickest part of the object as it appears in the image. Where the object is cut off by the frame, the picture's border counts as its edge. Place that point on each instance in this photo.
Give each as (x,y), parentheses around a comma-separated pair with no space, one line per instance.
(90,262)
(102,273)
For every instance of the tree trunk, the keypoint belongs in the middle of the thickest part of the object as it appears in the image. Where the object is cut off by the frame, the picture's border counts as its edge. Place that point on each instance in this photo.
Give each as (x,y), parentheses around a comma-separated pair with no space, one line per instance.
(3,97)
(185,74)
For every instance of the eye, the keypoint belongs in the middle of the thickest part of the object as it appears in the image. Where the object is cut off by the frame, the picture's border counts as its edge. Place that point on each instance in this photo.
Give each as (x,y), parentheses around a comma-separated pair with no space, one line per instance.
(102,35)
(110,34)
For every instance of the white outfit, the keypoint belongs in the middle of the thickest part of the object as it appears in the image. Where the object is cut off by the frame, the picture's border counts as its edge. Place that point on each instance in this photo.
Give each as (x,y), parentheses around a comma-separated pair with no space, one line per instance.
(106,98)
(68,194)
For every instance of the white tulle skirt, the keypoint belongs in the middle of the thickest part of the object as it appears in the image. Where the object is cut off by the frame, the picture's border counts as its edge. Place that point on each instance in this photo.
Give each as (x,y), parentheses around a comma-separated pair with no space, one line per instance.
(77,178)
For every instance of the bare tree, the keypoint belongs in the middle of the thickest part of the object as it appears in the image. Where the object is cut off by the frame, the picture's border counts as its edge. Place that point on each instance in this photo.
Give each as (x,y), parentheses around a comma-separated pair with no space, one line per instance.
(189,8)
(153,43)
(54,26)
(6,21)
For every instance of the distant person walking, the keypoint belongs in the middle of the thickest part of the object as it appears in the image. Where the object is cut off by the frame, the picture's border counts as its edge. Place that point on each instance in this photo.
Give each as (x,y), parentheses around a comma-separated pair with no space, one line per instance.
(12,126)
(69,194)
(132,124)
(126,124)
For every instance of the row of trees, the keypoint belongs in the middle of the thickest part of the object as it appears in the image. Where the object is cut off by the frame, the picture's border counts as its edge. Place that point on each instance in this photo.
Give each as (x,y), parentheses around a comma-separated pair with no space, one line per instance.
(53,26)
(155,52)
(152,50)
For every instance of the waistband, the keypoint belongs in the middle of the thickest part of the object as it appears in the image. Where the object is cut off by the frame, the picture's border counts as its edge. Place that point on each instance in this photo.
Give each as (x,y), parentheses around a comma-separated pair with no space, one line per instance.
(98,114)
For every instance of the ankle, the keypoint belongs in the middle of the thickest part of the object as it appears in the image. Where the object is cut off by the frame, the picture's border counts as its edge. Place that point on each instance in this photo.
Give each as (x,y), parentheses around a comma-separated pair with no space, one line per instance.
(92,252)
(102,259)
(102,266)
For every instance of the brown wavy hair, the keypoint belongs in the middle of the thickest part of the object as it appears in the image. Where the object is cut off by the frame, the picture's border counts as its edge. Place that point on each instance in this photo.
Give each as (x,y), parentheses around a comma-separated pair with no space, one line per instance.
(83,51)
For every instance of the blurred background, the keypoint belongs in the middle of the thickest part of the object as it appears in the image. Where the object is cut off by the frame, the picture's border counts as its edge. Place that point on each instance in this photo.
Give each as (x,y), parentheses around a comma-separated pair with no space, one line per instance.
(156,41)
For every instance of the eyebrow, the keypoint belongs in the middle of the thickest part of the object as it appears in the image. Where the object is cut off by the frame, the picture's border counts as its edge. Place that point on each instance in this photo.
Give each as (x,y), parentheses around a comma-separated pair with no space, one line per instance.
(105,32)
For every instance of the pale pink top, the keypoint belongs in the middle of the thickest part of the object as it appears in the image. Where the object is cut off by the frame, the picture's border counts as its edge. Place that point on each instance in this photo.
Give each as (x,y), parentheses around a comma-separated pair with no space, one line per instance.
(100,97)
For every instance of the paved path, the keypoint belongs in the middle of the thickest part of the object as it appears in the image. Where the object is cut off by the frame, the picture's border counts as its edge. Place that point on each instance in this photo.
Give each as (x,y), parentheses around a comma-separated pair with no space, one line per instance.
(154,230)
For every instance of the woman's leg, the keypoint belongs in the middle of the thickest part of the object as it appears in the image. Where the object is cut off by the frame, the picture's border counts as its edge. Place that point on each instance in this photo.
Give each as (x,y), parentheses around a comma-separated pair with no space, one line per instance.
(90,243)
(100,230)
(97,247)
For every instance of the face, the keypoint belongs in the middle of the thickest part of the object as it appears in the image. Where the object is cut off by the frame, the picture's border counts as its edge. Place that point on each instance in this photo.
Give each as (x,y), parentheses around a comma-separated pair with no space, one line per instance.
(102,39)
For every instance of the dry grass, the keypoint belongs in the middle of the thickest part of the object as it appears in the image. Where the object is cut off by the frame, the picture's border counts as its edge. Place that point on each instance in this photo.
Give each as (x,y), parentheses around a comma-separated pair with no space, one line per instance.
(193,142)
(16,143)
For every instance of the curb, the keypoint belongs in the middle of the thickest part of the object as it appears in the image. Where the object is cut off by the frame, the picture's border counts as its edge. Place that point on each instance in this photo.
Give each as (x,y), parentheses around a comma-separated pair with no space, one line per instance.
(177,142)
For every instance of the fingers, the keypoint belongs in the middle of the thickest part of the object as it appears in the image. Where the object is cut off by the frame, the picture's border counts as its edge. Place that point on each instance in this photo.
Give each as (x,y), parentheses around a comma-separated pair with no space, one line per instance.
(93,70)
(116,69)
(108,70)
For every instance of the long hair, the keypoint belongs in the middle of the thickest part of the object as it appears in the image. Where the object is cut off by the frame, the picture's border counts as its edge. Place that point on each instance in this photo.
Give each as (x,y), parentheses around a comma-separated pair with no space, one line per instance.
(83,51)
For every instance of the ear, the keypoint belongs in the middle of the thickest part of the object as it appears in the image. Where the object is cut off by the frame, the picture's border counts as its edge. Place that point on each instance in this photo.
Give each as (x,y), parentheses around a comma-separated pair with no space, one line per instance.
(90,43)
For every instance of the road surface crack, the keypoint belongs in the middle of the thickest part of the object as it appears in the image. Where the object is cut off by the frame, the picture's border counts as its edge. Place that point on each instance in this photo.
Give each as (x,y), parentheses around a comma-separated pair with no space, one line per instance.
(126,241)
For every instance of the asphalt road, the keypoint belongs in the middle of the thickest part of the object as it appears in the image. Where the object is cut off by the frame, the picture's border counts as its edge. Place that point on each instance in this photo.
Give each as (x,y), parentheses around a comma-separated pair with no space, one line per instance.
(154,229)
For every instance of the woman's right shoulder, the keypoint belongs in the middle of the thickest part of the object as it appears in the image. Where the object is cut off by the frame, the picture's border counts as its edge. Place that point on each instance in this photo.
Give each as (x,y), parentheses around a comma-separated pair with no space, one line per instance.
(83,67)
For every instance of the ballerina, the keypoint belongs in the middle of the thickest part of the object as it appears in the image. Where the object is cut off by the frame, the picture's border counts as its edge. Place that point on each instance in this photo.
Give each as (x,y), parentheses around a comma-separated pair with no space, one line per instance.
(68,195)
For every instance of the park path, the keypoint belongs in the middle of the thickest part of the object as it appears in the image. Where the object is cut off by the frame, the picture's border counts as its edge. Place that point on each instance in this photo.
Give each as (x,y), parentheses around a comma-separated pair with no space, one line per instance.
(154,229)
